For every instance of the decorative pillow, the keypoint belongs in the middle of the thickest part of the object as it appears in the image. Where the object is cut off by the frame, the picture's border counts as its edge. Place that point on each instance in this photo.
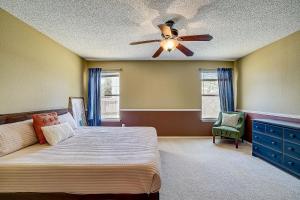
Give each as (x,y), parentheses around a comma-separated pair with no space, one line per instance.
(40,120)
(230,119)
(57,133)
(67,118)
(16,136)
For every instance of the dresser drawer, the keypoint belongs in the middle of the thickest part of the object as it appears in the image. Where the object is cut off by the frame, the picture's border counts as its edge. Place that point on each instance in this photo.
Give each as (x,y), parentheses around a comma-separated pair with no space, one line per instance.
(269,141)
(292,149)
(274,130)
(292,135)
(267,153)
(260,127)
(292,164)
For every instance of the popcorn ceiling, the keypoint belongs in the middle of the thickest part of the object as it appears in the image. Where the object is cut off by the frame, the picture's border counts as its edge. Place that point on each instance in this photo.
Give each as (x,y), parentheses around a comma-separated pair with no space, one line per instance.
(102,30)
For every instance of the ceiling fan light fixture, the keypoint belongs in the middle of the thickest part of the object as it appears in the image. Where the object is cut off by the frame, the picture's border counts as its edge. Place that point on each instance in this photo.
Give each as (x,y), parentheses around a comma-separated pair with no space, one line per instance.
(170,40)
(169,44)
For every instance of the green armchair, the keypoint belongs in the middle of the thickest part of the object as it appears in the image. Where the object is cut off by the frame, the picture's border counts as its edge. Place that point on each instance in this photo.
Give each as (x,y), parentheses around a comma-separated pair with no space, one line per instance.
(235,133)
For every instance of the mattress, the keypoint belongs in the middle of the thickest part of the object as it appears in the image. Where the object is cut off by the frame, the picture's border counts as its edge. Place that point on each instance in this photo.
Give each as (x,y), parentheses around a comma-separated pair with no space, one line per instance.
(97,160)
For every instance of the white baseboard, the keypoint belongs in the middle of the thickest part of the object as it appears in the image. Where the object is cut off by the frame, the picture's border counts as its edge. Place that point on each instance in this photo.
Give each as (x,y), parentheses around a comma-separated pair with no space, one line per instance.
(160,109)
(193,137)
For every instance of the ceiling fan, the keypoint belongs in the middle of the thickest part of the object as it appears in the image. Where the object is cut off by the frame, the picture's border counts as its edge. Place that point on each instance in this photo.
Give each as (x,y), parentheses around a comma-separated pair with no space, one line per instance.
(170,40)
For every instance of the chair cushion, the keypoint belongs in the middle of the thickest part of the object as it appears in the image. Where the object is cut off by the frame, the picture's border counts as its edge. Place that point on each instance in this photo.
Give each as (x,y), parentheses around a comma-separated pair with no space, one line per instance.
(226,131)
(230,119)
(226,128)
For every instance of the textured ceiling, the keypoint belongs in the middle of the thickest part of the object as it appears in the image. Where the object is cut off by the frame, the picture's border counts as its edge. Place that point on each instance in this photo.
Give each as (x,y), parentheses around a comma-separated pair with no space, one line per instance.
(102,30)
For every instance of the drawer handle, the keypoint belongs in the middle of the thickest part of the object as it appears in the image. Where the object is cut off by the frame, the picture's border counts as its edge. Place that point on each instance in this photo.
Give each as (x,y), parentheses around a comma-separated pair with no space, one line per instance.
(271,131)
(292,135)
(256,126)
(290,148)
(255,148)
(291,163)
(273,155)
(273,142)
(256,136)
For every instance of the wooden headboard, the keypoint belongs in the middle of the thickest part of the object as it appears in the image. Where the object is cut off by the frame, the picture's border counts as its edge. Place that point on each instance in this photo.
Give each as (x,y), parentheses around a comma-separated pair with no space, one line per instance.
(16,117)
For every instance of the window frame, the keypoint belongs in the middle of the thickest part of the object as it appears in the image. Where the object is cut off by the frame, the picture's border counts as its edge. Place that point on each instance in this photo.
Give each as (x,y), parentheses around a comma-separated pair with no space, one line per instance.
(105,76)
(212,95)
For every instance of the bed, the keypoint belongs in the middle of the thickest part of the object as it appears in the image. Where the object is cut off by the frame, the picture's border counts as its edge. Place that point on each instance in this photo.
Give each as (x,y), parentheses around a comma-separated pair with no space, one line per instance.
(96,163)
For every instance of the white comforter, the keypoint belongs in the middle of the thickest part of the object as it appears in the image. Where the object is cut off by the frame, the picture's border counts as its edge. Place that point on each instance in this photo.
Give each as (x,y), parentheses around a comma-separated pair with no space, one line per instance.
(97,160)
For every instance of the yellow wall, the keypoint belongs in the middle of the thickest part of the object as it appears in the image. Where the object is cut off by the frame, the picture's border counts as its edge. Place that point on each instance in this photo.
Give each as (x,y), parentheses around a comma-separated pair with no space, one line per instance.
(159,84)
(35,72)
(269,78)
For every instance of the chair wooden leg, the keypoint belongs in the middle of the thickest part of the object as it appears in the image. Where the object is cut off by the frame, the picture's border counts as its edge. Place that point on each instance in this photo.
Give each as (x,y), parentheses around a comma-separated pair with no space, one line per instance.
(214,139)
(236,143)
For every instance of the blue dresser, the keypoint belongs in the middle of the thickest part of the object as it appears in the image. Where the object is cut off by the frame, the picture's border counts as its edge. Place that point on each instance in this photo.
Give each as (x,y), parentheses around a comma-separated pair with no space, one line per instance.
(277,142)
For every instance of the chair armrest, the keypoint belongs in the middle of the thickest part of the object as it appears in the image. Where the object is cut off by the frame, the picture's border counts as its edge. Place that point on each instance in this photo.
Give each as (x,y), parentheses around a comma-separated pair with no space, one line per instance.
(239,126)
(219,121)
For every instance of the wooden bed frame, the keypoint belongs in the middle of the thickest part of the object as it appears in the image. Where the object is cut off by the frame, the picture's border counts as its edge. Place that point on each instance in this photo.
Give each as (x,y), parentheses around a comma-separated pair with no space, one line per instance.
(16,117)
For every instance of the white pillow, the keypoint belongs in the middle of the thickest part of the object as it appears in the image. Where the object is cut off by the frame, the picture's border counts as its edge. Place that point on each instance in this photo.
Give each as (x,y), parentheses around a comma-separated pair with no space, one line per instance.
(67,118)
(230,119)
(16,136)
(57,133)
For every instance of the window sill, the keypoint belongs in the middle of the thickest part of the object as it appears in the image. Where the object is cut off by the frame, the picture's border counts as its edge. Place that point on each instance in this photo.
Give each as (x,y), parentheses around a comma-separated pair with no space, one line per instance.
(209,120)
(111,120)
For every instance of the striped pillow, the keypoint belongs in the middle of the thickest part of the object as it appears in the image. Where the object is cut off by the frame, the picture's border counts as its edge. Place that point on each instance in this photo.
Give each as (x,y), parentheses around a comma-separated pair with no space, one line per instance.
(57,133)
(16,136)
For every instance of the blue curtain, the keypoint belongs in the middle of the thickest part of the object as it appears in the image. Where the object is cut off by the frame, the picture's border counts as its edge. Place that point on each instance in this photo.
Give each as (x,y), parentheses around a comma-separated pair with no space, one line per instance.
(94,97)
(226,89)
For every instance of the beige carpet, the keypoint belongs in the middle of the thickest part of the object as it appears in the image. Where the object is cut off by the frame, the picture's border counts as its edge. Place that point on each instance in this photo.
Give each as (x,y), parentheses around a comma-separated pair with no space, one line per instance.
(197,169)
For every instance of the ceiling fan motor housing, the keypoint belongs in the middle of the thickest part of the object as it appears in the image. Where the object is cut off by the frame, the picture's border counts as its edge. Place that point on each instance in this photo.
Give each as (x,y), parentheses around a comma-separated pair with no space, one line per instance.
(170,23)
(174,32)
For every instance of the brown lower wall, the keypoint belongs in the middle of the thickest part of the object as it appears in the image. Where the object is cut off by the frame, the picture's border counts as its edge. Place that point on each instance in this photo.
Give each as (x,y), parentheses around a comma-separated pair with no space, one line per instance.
(251,116)
(167,123)
(183,123)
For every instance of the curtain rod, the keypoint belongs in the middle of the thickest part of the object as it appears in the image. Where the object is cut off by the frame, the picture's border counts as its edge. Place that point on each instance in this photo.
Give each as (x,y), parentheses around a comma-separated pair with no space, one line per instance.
(207,69)
(114,69)
(117,69)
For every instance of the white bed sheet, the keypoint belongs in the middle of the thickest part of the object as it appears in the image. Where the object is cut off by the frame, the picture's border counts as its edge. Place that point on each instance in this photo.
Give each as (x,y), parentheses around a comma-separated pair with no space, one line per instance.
(97,160)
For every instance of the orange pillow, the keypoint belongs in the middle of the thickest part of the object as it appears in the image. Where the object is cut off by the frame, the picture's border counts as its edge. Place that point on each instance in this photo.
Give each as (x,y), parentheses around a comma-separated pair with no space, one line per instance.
(44,119)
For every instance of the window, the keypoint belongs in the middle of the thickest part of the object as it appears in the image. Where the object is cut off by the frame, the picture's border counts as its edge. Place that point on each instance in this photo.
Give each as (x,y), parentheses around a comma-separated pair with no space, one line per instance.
(110,95)
(210,94)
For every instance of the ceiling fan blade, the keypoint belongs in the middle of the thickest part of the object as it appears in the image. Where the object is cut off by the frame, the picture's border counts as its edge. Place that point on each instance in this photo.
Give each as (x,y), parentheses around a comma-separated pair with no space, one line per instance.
(158,52)
(184,50)
(165,30)
(143,42)
(206,37)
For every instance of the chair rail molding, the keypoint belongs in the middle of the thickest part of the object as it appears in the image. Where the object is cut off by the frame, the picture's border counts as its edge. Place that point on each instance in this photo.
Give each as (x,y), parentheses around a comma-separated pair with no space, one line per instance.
(159,109)
(270,113)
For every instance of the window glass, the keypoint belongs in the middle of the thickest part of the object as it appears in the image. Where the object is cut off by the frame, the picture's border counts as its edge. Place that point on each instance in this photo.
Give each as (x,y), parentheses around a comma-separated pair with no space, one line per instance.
(210,94)
(110,95)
